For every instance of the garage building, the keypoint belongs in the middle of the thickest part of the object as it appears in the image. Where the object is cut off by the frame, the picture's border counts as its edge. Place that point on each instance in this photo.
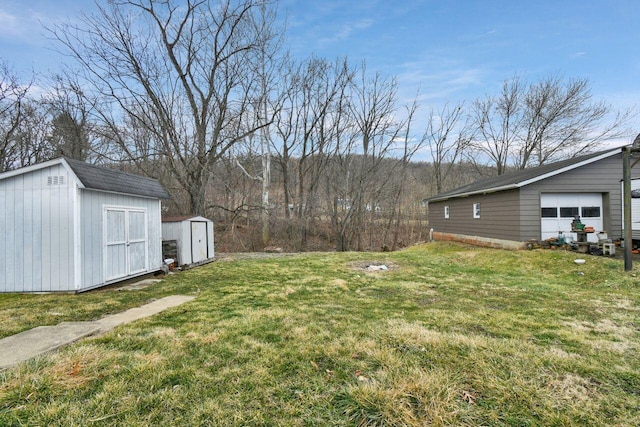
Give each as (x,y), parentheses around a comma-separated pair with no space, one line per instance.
(536,203)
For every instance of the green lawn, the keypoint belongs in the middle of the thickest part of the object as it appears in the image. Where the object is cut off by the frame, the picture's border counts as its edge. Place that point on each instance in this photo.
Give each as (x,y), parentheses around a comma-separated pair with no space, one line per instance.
(449,335)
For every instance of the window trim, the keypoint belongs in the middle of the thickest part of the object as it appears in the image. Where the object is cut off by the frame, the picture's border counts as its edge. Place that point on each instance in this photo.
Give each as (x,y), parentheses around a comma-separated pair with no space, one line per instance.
(588,214)
(476,210)
(548,208)
(575,210)
(447,212)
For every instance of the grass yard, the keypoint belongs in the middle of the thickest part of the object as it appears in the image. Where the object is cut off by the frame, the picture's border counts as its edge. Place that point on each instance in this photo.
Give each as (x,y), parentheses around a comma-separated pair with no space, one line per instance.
(448,335)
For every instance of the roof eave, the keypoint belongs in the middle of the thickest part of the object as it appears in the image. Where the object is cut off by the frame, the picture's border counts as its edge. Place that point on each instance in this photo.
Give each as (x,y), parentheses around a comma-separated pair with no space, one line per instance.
(571,167)
(43,165)
(476,192)
(165,197)
(529,181)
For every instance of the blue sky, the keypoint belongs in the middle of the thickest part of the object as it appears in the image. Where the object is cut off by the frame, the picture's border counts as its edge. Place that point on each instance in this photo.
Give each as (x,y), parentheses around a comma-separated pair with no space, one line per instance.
(449,50)
(459,50)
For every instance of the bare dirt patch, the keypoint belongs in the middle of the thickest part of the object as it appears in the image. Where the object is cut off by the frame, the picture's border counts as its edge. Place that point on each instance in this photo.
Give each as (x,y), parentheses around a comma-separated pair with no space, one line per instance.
(373,266)
(236,256)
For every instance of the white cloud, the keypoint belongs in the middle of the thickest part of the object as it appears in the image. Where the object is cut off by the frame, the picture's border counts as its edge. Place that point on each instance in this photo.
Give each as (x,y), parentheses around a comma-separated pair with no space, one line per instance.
(8,24)
(441,80)
(347,30)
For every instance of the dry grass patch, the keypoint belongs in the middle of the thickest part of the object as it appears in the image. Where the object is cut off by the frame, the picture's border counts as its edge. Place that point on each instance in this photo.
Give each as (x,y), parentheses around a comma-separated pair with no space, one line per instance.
(456,336)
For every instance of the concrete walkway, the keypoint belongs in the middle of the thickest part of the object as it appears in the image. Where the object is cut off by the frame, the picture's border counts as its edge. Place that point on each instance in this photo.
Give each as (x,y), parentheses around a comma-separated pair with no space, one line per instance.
(45,339)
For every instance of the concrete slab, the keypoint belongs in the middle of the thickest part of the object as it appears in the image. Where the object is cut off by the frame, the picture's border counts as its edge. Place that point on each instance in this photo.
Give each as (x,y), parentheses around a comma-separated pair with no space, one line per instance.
(44,339)
(41,340)
(141,284)
(155,307)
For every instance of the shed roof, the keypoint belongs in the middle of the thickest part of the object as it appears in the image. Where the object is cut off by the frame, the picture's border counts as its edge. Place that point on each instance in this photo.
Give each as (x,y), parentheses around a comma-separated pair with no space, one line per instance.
(99,178)
(184,218)
(523,177)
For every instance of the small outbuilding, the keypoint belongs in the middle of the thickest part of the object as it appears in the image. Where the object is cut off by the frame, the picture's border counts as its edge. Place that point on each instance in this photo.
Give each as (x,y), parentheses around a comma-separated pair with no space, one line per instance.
(66,225)
(193,236)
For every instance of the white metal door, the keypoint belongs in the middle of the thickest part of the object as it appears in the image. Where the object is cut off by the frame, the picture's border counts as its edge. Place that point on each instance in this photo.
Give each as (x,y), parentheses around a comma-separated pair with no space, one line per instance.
(125,242)
(559,209)
(198,241)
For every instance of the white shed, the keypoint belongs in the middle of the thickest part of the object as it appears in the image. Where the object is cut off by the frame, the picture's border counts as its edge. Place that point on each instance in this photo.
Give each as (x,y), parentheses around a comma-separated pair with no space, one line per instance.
(69,226)
(194,236)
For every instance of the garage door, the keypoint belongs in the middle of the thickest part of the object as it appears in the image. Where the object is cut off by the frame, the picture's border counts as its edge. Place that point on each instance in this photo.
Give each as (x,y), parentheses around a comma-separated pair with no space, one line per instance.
(559,209)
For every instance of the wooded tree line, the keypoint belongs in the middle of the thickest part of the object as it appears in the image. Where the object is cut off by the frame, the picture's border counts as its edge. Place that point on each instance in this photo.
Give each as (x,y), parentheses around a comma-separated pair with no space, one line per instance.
(203,95)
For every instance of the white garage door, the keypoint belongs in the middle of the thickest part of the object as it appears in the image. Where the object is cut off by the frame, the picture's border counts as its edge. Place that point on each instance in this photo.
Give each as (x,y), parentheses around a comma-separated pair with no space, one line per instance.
(559,209)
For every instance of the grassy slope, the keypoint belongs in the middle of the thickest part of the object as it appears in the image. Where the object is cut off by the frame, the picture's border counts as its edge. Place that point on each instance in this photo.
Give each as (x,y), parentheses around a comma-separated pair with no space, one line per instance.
(452,336)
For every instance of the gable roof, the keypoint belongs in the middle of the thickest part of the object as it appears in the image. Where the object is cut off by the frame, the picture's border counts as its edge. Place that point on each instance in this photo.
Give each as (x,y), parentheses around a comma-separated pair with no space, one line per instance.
(99,178)
(523,177)
(184,218)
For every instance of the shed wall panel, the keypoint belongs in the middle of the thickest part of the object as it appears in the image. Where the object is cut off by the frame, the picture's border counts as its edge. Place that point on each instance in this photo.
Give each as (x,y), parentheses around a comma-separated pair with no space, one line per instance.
(37,226)
(185,248)
(92,204)
(174,231)
(211,241)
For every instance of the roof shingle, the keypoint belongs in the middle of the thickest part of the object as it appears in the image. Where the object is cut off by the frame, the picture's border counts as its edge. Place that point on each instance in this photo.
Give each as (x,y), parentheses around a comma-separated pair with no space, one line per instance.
(519,178)
(99,178)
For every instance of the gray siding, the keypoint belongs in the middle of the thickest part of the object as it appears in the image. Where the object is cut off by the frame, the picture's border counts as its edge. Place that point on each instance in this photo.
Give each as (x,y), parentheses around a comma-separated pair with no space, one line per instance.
(92,209)
(603,177)
(515,214)
(499,216)
(36,219)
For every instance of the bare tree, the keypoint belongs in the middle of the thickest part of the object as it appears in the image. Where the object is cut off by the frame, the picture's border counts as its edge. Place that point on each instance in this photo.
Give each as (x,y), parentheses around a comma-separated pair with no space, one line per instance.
(563,121)
(447,137)
(180,70)
(409,146)
(498,121)
(29,139)
(13,95)
(312,96)
(551,119)
(367,135)
(73,131)
(268,68)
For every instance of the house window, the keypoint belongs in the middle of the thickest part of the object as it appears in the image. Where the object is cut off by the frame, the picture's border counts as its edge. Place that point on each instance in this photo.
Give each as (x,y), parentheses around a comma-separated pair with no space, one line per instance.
(569,212)
(591,211)
(476,210)
(549,213)
(446,212)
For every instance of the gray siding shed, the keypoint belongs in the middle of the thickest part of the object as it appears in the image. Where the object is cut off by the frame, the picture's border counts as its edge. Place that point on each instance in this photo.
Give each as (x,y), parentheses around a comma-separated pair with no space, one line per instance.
(53,227)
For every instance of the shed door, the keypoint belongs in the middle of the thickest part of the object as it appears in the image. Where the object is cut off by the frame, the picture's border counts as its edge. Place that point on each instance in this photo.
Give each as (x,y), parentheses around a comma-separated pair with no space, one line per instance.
(559,209)
(198,241)
(125,242)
